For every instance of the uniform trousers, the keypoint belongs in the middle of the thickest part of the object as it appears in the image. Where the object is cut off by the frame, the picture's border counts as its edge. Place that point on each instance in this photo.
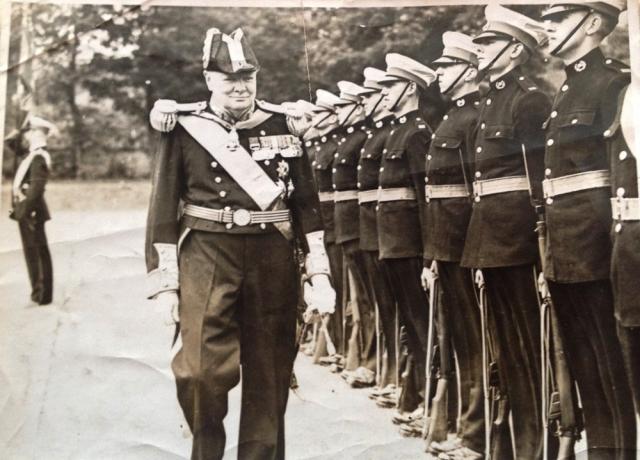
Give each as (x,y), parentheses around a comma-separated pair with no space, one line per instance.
(515,323)
(380,289)
(463,319)
(354,258)
(237,311)
(38,259)
(336,330)
(404,277)
(588,329)
(630,341)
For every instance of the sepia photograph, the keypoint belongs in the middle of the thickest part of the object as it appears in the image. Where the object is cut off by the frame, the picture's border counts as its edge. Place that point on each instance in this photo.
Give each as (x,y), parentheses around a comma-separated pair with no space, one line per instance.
(319,229)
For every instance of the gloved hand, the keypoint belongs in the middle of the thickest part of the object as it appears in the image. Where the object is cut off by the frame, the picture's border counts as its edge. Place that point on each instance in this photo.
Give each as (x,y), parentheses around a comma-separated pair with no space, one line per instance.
(167,303)
(479,279)
(319,295)
(164,115)
(429,276)
(543,287)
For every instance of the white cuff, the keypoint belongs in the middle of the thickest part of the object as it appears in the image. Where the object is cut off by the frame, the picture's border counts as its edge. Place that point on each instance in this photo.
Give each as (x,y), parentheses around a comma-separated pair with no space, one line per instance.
(165,277)
(316,261)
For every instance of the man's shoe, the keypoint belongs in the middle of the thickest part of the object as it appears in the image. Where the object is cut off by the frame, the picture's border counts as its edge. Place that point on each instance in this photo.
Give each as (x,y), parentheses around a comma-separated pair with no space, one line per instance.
(412,429)
(462,453)
(406,417)
(448,445)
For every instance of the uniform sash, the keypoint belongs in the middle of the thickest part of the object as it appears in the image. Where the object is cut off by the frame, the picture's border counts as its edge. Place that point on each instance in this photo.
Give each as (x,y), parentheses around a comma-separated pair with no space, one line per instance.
(234,159)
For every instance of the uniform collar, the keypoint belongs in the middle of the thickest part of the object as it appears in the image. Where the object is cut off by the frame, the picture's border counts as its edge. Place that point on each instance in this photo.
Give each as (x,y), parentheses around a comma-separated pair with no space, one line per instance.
(467,99)
(592,59)
(410,116)
(506,80)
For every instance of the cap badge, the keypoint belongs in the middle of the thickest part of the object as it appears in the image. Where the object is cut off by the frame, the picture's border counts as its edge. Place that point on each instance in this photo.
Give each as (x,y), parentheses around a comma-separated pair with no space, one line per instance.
(460,102)
(580,66)
(501,84)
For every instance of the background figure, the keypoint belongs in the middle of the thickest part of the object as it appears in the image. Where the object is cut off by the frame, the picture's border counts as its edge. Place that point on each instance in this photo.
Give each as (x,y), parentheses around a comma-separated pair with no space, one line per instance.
(29,208)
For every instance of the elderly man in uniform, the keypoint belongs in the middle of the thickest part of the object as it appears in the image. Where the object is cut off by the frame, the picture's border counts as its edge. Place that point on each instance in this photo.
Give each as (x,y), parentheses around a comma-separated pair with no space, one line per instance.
(351,112)
(576,191)
(400,197)
(447,212)
(501,240)
(29,208)
(380,123)
(232,189)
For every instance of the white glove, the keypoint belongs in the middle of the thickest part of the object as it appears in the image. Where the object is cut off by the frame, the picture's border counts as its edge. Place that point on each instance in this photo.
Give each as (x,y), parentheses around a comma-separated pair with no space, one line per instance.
(167,303)
(319,295)
(164,115)
(543,287)
(429,276)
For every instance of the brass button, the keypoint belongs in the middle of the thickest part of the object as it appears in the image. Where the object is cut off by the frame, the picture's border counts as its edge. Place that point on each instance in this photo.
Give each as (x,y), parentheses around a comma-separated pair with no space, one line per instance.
(477,199)
(554,114)
(229,226)
(263,226)
(549,201)
(622,155)
(223,193)
(489,101)
(479,150)
(618,227)
(550,142)
(620,192)
(478,174)
(217,180)
(214,164)
(564,88)
(547,172)
(381,169)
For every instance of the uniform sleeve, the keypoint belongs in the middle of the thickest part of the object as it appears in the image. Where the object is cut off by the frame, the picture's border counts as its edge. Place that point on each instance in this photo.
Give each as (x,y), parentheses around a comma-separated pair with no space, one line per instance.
(163,219)
(38,175)
(417,148)
(468,148)
(530,112)
(304,202)
(609,101)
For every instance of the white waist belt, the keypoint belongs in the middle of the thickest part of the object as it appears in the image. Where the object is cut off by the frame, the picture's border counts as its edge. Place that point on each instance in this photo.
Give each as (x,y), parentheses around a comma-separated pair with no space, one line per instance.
(500,185)
(432,192)
(345,195)
(396,194)
(575,183)
(625,208)
(325,196)
(240,217)
(367,196)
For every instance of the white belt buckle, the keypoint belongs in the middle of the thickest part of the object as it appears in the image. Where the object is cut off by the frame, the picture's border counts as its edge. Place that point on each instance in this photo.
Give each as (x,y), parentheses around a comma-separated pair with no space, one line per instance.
(241,217)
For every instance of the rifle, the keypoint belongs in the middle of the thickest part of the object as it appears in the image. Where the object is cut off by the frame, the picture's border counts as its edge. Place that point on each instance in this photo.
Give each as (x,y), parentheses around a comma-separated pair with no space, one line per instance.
(496,404)
(353,353)
(559,399)
(439,416)
(436,409)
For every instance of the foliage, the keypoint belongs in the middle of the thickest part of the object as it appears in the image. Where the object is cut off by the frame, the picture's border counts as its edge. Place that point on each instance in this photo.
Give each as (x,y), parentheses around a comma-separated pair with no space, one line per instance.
(99,68)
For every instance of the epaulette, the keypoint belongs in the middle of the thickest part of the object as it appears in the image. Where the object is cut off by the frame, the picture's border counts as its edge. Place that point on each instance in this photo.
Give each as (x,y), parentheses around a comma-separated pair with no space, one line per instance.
(526,83)
(616,65)
(270,107)
(171,106)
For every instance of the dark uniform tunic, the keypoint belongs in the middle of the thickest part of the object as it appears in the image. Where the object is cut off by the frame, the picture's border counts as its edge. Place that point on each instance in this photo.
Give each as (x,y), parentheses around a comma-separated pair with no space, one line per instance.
(238,288)
(579,248)
(31,212)
(347,229)
(501,240)
(399,223)
(321,152)
(578,223)
(625,260)
(368,172)
(450,162)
